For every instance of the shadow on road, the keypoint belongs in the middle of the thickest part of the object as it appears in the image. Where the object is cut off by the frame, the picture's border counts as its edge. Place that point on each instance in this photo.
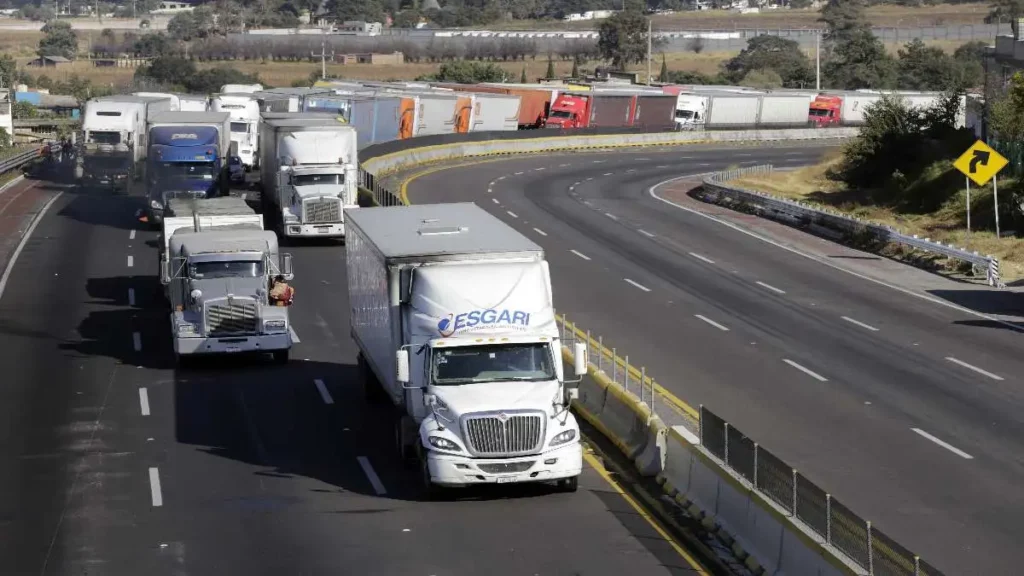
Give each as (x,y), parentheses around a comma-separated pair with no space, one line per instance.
(985,301)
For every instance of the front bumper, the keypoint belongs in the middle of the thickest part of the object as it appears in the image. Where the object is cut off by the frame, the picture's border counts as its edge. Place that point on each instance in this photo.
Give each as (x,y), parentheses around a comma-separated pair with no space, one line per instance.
(452,471)
(298,230)
(233,345)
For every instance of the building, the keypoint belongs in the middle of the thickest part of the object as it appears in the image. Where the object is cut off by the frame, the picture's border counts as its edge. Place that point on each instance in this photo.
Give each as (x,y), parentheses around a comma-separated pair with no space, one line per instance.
(50,62)
(360,28)
(392,59)
(171,7)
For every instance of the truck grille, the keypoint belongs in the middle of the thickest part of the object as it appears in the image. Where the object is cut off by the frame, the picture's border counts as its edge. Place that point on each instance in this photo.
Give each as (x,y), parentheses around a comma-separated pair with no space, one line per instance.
(506,467)
(500,434)
(321,210)
(237,318)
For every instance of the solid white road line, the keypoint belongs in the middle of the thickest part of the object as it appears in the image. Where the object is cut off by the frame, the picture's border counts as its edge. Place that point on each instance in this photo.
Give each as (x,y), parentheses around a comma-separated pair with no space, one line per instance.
(704,258)
(324,394)
(539,231)
(810,373)
(512,214)
(945,445)
(371,475)
(712,322)
(580,254)
(640,286)
(612,216)
(495,200)
(137,341)
(975,368)
(131,296)
(294,335)
(154,487)
(770,287)
(131,261)
(645,233)
(144,401)
(24,240)
(859,323)
(652,192)
(131,235)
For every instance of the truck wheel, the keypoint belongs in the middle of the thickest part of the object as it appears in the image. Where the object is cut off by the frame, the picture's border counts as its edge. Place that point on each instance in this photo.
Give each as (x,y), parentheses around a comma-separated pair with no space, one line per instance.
(431,491)
(569,484)
(403,445)
(371,388)
(281,356)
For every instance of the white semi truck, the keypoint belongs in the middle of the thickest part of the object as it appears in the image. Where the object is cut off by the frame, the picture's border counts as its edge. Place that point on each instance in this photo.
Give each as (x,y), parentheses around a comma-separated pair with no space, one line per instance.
(309,171)
(452,312)
(241,88)
(245,122)
(113,147)
(217,264)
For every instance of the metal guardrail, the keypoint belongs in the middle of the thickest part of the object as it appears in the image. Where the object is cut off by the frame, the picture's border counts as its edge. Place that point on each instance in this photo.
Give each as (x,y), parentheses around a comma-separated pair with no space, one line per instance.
(716,186)
(19,159)
(815,508)
(375,187)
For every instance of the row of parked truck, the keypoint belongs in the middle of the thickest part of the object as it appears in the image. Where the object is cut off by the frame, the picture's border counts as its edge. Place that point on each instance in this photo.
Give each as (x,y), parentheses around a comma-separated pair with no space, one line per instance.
(452,309)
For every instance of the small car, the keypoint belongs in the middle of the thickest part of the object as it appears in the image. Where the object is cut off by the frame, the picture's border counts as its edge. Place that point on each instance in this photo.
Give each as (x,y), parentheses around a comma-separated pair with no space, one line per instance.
(236,171)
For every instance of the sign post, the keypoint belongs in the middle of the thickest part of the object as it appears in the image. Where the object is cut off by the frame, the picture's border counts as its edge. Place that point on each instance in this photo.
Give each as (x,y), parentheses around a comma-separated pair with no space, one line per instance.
(981,163)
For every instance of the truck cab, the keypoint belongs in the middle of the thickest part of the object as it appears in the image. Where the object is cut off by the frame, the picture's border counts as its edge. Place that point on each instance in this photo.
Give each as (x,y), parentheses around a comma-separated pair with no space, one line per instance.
(568,111)
(825,111)
(452,312)
(218,271)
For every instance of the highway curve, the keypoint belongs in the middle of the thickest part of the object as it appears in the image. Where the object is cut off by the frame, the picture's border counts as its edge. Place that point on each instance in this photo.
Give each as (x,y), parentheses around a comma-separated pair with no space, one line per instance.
(907,411)
(112,462)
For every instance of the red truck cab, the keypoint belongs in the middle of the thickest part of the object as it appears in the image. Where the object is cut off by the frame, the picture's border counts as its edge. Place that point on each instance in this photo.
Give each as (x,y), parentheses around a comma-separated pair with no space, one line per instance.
(568,111)
(825,111)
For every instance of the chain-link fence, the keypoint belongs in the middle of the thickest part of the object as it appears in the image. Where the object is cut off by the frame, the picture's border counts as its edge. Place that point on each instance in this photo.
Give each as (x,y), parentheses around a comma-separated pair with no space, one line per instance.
(836,524)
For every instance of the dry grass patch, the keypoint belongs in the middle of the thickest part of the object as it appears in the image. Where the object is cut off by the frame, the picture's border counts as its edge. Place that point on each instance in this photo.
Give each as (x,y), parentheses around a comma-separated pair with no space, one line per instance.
(811,185)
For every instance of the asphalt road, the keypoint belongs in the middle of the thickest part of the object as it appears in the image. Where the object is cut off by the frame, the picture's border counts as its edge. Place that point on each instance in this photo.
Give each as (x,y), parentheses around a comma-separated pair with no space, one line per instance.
(905,410)
(112,462)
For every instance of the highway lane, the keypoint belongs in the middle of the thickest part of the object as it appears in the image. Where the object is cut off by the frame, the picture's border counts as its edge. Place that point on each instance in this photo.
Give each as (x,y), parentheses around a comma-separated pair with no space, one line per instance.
(115,462)
(852,434)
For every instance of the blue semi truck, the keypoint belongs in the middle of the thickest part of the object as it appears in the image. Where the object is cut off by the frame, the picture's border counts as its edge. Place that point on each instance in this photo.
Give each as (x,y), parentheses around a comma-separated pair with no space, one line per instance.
(187,158)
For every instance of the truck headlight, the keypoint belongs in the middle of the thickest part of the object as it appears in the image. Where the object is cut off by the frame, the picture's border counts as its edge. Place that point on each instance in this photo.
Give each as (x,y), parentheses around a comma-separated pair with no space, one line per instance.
(186,329)
(443,444)
(155,205)
(275,325)
(563,438)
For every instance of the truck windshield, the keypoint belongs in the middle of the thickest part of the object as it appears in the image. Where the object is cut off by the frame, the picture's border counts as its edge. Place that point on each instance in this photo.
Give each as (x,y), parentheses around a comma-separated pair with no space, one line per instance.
(560,114)
(313,179)
(684,114)
(231,269)
(819,112)
(94,137)
(472,364)
(240,127)
(204,170)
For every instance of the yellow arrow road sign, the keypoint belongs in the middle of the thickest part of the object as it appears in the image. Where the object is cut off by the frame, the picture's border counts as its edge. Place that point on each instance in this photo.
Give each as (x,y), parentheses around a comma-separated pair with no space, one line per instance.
(980,163)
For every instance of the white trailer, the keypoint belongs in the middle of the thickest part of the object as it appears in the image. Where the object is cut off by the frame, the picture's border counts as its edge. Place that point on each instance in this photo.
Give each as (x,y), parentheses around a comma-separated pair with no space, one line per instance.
(733,110)
(113,142)
(785,110)
(175,105)
(452,312)
(245,122)
(241,88)
(309,175)
(193,103)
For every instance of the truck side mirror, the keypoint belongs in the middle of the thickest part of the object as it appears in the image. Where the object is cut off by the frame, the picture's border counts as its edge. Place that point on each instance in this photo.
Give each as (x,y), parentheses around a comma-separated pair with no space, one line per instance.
(286,267)
(571,394)
(402,363)
(580,360)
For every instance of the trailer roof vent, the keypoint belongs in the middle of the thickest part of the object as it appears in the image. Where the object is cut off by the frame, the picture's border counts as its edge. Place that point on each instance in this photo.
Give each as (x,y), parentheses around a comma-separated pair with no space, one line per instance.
(441,230)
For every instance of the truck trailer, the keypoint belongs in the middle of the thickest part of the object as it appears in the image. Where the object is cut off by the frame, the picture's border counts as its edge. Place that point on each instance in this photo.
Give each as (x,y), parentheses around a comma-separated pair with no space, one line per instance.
(453,316)
(650,110)
(113,149)
(188,158)
(218,266)
(309,175)
(245,122)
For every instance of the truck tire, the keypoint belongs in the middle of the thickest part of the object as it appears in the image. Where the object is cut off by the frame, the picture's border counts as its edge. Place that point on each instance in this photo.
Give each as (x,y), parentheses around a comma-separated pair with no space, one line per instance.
(431,492)
(281,356)
(404,446)
(569,485)
(371,387)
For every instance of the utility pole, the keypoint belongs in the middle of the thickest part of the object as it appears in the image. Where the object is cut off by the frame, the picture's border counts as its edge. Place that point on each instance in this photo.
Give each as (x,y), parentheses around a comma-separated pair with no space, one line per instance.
(649,42)
(817,60)
(134,14)
(323,54)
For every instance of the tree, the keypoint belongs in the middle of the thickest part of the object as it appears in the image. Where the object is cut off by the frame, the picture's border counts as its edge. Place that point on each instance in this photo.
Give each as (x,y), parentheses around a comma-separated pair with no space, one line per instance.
(1003,10)
(522,77)
(464,72)
(170,70)
(575,73)
(550,73)
(764,78)
(927,68)
(8,70)
(24,110)
(781,55)
(5,138)
(365,10)
(623,38)
(152,45)
(58,40)
(844,19)
(1006,115)
(971,57)
(407,19)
